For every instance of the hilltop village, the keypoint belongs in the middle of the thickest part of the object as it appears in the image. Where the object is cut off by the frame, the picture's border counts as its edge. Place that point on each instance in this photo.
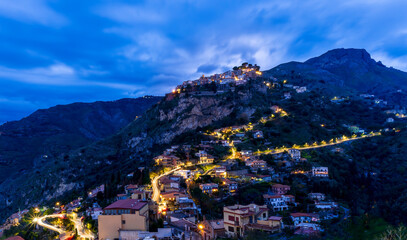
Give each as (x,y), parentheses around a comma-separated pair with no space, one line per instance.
(235,183)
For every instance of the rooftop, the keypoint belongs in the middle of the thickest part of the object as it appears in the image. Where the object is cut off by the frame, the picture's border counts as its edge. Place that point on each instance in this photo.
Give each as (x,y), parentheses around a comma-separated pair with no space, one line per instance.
(300,215)
(15,238)
(127,204)
(216,224)
(182,223)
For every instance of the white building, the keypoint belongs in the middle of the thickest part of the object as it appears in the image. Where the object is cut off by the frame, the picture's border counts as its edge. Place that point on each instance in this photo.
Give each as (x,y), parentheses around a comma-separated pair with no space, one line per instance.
(258,134)
(301,89)
(185,174)
(278,202)
(316,196)
(295,154)
(320,171)
(209,187)
(256,164)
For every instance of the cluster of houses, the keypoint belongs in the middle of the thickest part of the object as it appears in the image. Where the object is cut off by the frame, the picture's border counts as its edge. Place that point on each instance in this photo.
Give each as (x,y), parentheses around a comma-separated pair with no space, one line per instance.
(237,76)
(239,219)
(13,220)
(181,213)
(297,89)
(169,159)
(130,218)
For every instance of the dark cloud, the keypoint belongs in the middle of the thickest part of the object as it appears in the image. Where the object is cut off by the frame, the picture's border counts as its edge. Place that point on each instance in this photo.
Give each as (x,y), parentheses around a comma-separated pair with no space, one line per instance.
(207,68)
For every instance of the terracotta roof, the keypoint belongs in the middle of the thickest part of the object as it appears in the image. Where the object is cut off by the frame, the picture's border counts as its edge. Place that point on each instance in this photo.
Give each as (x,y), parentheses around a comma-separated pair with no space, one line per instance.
(131,186)
(127,204)
(15,238)
(166,180)
(300,215)
(172,194)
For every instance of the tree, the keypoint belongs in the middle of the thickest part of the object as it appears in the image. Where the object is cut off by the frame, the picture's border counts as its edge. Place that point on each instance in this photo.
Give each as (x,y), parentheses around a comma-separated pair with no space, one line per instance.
(214,88)
(137,177)
(146,177)
(394,234)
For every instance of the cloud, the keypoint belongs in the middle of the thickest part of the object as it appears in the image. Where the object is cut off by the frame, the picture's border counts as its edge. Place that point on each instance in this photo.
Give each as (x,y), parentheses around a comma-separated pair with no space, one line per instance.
(395,62)
(59,75)
(130,14)
(36,11)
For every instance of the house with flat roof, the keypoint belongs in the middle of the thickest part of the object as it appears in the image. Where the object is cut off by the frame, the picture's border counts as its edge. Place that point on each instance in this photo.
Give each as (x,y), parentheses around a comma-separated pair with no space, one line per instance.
(320,171)
(211,229)
(167,160)
(209,187)
(278,202)
(123,215)
(236,217)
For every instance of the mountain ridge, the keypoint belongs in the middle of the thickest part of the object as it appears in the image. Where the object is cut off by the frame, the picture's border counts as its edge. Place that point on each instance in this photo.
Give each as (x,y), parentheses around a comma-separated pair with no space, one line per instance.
(351,69)
(50,132)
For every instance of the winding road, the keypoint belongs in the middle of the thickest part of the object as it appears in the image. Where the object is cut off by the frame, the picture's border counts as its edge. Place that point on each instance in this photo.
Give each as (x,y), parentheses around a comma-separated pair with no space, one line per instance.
(83,233)
(154,183)
(40,221)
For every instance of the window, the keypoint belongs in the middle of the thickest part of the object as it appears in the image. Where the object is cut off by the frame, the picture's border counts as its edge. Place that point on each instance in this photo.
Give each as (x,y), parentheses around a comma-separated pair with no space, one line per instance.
(231,229)
(264,215)
(123,221)
(231,218)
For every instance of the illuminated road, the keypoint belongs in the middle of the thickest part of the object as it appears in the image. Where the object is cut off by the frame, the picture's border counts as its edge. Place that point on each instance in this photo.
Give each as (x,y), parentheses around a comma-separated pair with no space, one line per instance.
(40,221)
(154,183)
(83,233)
(320,146)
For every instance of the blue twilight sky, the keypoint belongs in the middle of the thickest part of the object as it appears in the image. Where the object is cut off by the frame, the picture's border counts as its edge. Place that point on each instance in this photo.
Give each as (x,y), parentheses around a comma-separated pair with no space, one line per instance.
(58,52)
